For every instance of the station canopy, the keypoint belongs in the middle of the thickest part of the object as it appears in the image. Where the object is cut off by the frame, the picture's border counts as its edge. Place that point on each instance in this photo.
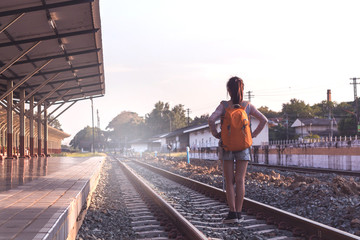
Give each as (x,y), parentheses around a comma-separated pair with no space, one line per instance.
(52,49)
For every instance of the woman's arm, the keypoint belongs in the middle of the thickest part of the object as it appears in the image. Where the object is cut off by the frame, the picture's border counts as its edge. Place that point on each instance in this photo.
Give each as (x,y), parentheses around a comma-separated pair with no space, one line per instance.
(212,119)
(259,116)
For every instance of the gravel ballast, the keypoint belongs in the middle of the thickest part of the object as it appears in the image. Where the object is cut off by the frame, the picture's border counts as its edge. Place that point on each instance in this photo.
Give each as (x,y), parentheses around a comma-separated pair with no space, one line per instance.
(327,198)
(107,217)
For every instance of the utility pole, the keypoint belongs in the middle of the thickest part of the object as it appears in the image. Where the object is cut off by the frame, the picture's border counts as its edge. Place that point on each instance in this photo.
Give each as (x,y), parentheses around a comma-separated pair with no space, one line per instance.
(93,132)
(287,126)
(98,118)
(356,100)
(188,117)
(330,115)
(249,95)
(98,129)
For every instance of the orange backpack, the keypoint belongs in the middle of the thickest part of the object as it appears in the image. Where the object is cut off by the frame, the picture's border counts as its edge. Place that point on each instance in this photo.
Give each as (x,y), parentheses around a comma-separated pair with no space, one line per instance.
(235,128)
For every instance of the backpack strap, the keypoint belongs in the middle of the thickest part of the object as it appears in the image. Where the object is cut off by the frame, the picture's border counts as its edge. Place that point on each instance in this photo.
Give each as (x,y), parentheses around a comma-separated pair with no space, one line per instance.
(245,105)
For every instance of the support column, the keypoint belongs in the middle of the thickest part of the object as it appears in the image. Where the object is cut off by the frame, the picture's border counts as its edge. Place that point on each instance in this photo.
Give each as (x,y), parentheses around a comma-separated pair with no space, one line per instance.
(39,129)
(31,126)
(45,131)
(22,124)
(3,140)
(9,121)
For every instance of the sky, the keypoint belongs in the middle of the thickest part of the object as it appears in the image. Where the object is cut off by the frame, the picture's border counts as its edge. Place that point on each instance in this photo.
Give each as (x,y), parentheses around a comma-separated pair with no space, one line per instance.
(183,52)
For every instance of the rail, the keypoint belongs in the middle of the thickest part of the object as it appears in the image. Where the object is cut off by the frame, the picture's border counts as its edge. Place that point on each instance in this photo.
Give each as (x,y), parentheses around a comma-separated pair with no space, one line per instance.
(300,226)
(184,226)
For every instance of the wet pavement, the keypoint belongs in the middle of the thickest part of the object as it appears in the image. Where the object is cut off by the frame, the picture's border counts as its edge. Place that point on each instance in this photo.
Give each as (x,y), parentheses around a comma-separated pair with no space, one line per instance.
(41,198)
(16,172)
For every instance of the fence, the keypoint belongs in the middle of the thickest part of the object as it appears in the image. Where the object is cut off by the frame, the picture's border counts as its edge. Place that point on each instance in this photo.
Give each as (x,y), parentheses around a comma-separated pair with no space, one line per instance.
(337,153)
(335,142)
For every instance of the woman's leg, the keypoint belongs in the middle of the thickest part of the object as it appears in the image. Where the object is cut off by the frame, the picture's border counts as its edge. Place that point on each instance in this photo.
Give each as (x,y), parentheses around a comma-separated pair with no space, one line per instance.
(241,167)
(229,180)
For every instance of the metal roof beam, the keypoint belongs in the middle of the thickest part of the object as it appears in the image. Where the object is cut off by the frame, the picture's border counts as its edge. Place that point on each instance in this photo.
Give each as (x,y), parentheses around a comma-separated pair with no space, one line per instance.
(42,7)
(62,104)
(71,79)
(62,112)
(80,99)
(4,105)
(13,61)
(71,95)
(6,26)
(53,102)
(36,89)
(49,94)
(76,87)
(59,70)
(58,56)
(48,37)
(24,79)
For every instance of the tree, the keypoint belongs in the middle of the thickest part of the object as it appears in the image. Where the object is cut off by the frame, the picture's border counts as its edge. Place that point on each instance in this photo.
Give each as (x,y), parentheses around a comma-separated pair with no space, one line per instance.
(297,109)
(178,117)
(84,139)
(347,124)
(277,133)
(269,113)
(55,123)
(159,119)
(203,119)
(125,127)
(343,110)
(322,109)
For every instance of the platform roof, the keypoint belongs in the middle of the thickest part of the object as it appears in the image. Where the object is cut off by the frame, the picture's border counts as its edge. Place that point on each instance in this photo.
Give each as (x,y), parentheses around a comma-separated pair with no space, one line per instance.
(54,41)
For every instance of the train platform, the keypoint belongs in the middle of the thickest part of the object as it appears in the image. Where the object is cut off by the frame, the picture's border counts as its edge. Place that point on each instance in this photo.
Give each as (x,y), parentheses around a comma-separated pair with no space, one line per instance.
(41,198)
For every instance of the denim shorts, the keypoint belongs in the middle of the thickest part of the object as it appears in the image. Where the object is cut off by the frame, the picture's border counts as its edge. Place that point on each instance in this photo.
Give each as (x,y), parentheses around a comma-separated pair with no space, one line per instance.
(239,155)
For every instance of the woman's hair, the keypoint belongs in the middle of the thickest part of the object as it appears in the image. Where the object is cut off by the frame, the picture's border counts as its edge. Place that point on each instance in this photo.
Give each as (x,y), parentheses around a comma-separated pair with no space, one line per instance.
(235,87)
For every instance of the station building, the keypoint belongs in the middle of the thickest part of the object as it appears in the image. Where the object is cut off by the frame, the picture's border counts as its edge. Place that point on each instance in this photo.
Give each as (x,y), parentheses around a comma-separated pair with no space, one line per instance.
(50,58)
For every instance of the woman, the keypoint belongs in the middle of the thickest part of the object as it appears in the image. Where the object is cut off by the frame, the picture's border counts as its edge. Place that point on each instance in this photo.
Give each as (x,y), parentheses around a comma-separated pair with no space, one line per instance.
(235,197)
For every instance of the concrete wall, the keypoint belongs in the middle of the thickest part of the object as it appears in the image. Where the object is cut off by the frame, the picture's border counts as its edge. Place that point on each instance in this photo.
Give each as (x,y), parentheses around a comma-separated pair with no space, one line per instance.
(340,162)
(333,158)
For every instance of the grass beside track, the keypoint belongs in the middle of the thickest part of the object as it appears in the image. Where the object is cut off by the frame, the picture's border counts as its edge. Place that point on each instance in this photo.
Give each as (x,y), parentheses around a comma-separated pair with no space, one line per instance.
(79,154)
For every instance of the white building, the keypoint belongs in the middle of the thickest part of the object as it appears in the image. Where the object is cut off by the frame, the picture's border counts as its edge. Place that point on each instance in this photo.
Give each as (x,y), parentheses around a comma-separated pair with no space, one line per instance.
(155,143)
(320,126)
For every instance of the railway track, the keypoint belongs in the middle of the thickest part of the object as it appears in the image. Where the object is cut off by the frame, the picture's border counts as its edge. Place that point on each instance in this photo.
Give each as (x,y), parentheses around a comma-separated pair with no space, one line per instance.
(151,217)
(204,206)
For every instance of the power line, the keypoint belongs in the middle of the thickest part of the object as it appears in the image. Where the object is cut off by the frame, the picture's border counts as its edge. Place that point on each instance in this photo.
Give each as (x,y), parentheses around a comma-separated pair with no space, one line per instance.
(249,95)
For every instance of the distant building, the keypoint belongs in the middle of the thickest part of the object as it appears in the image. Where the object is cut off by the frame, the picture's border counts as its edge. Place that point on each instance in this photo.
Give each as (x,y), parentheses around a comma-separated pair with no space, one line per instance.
(320,126)
(196,137)
(55,136)
(139,145)
(155,143)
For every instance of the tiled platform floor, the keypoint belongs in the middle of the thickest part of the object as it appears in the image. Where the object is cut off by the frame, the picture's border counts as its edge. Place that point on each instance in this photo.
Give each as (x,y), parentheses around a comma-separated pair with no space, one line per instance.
(40,198)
